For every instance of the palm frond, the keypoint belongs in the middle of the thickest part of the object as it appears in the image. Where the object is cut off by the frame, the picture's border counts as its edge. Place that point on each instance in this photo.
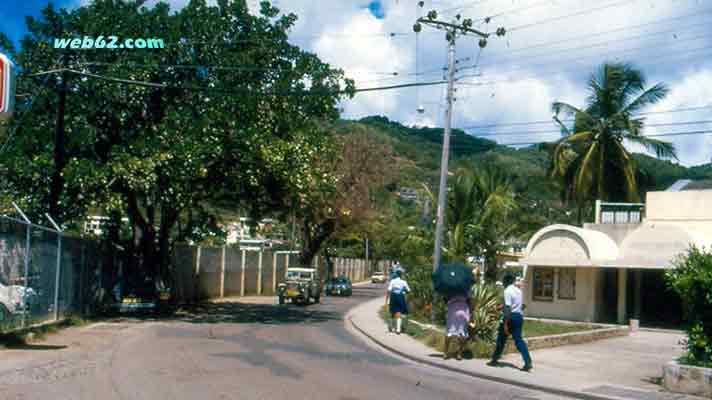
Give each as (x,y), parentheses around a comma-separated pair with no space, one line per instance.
(662,149)
(584,174)
(647,98)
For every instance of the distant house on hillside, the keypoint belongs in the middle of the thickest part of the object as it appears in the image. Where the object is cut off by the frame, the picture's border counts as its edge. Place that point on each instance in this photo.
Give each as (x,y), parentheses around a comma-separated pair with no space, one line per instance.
(613,270)
(408,194)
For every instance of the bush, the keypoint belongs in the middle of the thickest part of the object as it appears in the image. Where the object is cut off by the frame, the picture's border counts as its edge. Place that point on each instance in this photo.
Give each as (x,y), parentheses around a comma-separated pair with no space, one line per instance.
(484,306)
(691,279)
(420,299)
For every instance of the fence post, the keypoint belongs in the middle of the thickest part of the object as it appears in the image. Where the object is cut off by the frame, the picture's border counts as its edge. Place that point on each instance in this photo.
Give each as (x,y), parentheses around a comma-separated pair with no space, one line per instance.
(58,268)
(259,273)
(28,250)
(274,272)
(196,284)
(222,273)
(242,274)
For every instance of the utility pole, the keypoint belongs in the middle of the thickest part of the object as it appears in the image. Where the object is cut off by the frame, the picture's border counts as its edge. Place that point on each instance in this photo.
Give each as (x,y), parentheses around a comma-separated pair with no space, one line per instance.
(452,30)
(57,181)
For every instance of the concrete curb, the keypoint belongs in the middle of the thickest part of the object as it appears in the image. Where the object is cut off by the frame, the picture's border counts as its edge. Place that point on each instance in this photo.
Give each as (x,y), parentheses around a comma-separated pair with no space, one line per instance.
(479,375)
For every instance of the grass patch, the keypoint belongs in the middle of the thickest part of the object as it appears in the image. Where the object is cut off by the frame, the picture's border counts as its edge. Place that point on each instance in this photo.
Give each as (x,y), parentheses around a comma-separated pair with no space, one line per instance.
(690,360)
(479,348)
(436,339)
(23,338)
(541,328)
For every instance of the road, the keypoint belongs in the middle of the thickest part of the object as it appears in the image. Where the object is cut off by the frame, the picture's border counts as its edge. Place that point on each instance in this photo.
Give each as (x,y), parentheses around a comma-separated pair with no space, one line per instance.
(232,351)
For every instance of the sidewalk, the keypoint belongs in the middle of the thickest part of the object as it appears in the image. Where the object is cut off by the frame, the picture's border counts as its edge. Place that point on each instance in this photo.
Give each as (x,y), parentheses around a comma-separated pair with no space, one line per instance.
(618,368)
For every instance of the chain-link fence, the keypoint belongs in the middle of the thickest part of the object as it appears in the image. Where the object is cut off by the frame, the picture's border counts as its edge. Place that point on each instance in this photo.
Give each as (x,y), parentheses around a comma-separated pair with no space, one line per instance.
(38,279)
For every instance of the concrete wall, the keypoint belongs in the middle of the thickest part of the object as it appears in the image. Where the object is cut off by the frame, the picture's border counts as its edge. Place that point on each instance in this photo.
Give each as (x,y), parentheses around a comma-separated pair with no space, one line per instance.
(617,232)
(214,272)
(583,308)
(676,206)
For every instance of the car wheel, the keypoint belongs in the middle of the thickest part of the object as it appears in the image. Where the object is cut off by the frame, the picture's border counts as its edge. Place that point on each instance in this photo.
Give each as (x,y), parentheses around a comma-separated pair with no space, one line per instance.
(317,299)
(281,300)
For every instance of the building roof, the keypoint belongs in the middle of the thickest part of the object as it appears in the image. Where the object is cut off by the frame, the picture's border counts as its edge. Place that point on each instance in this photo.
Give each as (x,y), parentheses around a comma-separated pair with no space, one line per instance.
(656,245)
(566,245)
(689,184)
(652,245)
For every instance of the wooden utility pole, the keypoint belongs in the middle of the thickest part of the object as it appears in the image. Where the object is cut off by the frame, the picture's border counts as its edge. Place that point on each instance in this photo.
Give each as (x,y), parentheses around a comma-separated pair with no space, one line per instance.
(452,29)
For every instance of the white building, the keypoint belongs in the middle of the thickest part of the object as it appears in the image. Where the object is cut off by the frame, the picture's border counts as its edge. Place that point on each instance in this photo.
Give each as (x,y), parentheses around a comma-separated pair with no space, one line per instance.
(613,270)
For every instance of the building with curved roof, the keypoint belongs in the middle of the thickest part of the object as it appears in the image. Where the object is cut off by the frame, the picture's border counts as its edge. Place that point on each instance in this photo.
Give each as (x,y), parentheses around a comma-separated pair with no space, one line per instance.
(613,270)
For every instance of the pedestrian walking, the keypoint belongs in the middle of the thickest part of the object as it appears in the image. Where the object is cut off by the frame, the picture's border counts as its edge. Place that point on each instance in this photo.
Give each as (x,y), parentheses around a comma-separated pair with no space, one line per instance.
(396,301)
(512,323)
(458,318)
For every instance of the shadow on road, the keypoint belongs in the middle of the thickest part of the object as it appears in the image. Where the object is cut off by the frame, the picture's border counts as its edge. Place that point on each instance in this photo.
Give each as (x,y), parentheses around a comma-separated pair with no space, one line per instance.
(234,312)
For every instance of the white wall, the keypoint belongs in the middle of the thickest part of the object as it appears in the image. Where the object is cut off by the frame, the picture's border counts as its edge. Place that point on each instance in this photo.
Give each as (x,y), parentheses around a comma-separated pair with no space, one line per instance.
(675,206)
(583,308)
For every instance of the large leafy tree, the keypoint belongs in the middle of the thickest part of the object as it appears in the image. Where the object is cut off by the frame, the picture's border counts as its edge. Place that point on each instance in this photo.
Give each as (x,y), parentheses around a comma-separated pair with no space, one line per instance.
(338,195)
(226,114)
(591,159)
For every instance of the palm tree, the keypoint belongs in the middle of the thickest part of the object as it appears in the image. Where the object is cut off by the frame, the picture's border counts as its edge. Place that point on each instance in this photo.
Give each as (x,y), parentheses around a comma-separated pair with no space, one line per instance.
(591,159)
(479,207)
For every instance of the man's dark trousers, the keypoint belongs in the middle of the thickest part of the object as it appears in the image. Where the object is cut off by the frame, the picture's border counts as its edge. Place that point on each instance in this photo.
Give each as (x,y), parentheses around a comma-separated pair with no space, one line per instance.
(516,322)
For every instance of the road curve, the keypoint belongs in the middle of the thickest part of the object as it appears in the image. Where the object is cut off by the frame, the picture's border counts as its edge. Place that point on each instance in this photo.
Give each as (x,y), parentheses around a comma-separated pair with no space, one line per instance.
(232,351)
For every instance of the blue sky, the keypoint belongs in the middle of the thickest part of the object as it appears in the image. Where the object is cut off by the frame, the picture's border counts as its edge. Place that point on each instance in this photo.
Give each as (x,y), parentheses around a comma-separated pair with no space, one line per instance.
(548,54)
(13,12)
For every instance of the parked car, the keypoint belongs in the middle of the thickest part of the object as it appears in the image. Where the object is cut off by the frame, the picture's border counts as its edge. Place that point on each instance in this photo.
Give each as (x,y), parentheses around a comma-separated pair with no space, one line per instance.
(378,277)
(340,286)
(301,286)
(144,294)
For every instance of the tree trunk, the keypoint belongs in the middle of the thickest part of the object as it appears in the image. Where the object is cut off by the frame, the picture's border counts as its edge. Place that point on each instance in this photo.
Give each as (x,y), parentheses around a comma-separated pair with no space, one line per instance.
(57,181)
(313,239)
(491,269)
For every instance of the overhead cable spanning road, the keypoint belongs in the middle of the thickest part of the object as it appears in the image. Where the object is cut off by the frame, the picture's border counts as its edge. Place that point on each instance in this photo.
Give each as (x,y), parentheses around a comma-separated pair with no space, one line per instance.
(235,91)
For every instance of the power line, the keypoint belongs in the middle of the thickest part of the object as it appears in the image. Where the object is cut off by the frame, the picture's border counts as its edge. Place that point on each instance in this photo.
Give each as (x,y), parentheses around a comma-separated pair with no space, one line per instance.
(575,14)
(603,33)
(617,53)
(707,132)
(526,133)
(234,91)
(607,43)
(674,110)
(654,61)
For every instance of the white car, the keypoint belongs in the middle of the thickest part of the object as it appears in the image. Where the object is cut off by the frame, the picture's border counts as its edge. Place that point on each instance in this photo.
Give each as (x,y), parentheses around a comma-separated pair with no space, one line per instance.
(378,277)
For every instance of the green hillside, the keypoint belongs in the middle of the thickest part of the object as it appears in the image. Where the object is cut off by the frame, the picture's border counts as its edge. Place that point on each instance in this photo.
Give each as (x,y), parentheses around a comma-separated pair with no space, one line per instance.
(418,152)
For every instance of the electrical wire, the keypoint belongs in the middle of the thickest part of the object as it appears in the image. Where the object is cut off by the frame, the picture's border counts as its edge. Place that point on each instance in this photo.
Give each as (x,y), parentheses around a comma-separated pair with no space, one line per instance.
(528,123)
(693,133)
(575,14)
(235,91)
(603,33)
(705,24)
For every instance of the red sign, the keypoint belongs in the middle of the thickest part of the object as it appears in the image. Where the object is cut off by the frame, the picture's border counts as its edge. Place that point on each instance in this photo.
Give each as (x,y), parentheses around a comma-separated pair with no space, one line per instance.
(7,86)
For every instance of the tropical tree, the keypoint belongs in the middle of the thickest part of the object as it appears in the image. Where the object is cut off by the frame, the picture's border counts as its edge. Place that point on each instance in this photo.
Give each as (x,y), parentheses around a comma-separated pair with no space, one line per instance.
(591,158)
(480,207)
(225,113)
(338,194)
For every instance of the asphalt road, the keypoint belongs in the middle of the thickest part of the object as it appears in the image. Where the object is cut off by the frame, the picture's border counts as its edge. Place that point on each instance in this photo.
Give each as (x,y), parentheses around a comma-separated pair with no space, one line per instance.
(232,351)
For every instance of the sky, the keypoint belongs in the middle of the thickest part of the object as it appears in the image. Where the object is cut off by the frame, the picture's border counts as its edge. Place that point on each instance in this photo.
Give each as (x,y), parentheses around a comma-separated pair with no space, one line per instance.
(548,54)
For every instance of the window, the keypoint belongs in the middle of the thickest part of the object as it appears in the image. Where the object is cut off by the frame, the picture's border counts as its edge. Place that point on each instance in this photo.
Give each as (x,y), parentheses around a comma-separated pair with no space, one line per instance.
(567,283)
(544,284)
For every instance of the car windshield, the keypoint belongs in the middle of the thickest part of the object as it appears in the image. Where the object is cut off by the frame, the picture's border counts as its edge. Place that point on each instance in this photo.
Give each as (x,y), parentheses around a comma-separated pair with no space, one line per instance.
(299,275)
(342,280)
